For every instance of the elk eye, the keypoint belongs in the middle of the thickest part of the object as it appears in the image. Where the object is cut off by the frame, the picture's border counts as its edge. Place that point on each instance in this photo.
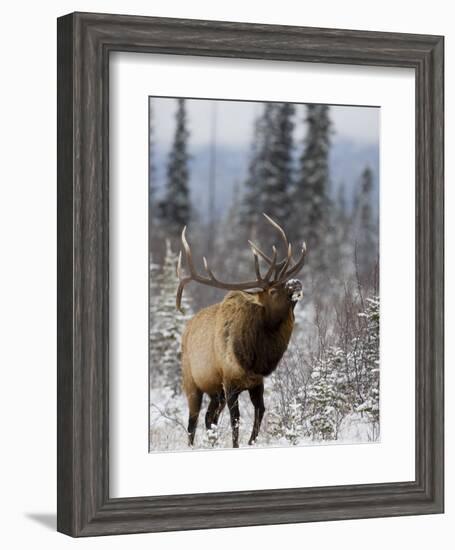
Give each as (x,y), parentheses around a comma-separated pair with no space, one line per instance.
(273,291)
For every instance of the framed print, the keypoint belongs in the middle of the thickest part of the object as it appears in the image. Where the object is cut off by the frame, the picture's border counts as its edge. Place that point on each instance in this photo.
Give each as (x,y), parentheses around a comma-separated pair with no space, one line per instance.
(250,284)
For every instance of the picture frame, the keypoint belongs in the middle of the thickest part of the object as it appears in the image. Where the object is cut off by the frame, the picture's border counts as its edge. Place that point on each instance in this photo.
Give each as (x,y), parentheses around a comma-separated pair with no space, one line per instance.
(85,41)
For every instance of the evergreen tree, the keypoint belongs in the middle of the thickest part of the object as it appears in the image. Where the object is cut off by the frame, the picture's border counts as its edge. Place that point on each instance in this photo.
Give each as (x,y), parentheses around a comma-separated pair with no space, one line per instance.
(175,209)
(152,167)
(267,188)
(290,425)
(251,206)
(328,395)
(311,197)
(232,236)
(369,357)
(336,252)
(155,239)
(365,226)
(166,325)
(277,169)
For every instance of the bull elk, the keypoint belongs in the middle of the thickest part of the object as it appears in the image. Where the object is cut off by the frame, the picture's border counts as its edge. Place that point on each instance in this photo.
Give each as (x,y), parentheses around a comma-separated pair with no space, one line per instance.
(231,346)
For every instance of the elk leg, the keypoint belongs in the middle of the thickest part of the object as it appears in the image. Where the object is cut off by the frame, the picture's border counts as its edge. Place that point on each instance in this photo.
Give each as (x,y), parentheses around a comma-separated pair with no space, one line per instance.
(233,404)
(257,398)
(219,410)
(214,409)
(194,405)
(211,409)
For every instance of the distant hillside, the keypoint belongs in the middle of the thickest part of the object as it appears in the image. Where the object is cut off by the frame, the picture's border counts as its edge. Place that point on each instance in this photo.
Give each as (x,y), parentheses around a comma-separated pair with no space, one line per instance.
(347,161)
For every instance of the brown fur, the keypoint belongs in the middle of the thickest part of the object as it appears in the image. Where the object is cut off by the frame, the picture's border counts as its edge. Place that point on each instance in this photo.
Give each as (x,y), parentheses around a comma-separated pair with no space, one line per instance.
(230,347)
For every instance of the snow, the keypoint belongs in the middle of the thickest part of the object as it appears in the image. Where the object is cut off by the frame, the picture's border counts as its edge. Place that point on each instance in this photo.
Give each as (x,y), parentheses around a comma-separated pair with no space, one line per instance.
(168,432)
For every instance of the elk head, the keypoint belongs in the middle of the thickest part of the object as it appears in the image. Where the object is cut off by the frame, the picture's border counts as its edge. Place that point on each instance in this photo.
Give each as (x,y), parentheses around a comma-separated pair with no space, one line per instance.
(277,290)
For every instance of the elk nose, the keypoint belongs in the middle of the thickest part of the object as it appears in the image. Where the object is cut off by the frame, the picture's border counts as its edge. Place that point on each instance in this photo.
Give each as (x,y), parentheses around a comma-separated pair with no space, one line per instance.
(295,289)
(297,296)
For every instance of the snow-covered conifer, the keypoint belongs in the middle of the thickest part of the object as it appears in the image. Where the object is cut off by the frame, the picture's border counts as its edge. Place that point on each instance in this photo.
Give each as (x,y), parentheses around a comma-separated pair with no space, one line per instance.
(369,403)
(269,181)
(365,224)
(166,326)
(328,395)
(175,209)
(311,195)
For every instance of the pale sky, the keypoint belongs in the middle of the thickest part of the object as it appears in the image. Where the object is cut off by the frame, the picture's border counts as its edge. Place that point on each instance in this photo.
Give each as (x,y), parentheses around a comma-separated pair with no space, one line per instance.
(235,122)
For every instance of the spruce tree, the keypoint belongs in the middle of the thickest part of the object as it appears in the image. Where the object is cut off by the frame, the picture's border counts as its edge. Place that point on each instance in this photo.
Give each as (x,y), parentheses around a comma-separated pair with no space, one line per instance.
(175,209)
(260,147)
(269,182)
(152,167)
(367,356)
(166,325)
(277,169)
(328,395)
(311,197)
(365,225)
(232,236)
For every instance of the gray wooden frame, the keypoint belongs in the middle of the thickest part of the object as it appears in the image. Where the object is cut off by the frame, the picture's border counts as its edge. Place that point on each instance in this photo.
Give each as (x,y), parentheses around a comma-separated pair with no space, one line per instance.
(84,44)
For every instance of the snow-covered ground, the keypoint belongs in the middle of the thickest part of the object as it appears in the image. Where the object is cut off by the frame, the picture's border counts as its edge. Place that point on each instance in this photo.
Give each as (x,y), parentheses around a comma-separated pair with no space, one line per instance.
(169,417)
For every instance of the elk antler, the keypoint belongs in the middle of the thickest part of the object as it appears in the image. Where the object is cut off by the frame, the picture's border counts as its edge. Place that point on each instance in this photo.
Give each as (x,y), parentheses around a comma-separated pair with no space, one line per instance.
(211,280)
(282,270)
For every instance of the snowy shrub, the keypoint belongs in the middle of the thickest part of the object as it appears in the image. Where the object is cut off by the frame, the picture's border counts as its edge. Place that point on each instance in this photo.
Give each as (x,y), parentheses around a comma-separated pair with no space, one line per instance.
(369,402)
(287,397)
(166,326)
(328,395)
(345,380)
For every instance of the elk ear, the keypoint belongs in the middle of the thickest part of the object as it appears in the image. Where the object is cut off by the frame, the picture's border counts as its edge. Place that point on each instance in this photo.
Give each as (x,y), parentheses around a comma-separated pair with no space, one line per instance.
(252,297)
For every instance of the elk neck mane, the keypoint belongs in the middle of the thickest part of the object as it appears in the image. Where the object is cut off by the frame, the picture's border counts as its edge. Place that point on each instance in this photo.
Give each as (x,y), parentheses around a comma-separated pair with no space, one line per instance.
(258,339)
